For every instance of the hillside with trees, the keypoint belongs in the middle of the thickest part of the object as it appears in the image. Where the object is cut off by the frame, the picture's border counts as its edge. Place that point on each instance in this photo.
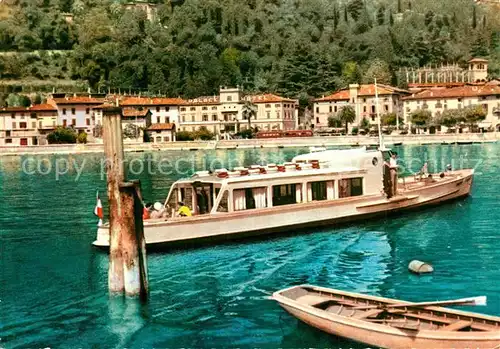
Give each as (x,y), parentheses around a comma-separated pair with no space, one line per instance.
(292,47)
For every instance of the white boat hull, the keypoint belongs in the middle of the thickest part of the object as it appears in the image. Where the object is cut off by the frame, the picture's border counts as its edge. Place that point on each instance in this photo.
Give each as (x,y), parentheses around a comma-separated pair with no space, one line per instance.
(234,225)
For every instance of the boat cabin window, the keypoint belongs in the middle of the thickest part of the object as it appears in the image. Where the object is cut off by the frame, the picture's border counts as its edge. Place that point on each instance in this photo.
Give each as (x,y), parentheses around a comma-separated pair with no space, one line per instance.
(318,190)
(203,198)
(187,197)
(284,194)
(172,202)
(350,187)
(249,198)
(223,207)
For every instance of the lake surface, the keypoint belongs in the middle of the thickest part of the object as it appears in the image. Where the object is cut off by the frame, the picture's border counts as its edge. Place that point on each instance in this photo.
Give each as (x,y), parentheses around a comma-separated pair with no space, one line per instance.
(53,284)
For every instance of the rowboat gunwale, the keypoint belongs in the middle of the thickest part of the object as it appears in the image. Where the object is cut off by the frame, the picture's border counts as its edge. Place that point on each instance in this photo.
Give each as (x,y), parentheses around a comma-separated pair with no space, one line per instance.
(384,329)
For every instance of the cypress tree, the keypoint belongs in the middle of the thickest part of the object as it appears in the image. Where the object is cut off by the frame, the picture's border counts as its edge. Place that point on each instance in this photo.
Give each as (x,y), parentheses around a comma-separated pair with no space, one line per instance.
(336,16)
(381,15)
(399,7)
(474,18)
(346,16)
(391,18)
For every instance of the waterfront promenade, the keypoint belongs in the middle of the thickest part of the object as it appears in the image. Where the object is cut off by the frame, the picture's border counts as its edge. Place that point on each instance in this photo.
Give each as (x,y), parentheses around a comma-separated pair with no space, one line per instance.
(261,143)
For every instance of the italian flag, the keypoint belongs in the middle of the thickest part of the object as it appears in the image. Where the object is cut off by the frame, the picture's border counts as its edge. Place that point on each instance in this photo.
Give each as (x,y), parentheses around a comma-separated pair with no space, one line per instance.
(98,209)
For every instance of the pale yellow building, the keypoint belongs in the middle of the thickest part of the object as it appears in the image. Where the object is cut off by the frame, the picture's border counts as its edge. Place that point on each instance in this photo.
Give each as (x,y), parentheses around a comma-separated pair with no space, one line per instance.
(439,100)
(223,113)
(362,99)
(46,115)
(18,127)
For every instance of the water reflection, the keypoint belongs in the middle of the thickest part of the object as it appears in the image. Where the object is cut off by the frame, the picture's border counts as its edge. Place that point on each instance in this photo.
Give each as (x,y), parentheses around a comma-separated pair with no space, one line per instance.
(54,284)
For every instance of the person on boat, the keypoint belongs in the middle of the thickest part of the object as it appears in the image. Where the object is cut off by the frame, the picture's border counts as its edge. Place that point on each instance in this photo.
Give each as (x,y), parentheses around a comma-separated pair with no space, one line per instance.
(158,211)
(146,211)
(393,166)
(184,211)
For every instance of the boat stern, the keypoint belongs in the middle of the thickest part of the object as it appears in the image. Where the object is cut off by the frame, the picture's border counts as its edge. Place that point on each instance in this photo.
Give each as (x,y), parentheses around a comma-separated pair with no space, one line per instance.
(102,238)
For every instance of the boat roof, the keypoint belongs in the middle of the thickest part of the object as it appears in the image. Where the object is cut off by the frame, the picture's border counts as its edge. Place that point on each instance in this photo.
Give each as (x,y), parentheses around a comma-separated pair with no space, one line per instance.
(213,178)
(329,155)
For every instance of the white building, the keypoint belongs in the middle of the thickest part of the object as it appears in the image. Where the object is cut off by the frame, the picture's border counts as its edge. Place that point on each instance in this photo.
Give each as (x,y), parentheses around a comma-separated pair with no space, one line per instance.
(163,110)
(77,112)
(440,99)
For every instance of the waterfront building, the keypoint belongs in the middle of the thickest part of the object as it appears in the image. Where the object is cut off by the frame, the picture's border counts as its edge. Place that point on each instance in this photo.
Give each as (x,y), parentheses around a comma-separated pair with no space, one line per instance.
(223,113)
(46,116)
(76,111)
(440,99)
(362,99)
(18,127)
(163,110)
(135,122)
(162,133)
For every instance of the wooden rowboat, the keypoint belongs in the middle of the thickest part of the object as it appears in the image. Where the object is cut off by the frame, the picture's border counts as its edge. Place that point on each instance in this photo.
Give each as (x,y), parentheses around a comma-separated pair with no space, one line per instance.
(389,323)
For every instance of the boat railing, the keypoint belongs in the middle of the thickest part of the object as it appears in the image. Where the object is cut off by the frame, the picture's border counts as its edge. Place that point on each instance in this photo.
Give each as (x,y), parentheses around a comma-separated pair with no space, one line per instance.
(255,170)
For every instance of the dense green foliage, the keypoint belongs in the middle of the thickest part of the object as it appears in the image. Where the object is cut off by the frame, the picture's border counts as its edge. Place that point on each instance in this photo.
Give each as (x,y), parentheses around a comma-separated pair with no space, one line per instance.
(390,119)
(201,134)
(62,135)
(296,48)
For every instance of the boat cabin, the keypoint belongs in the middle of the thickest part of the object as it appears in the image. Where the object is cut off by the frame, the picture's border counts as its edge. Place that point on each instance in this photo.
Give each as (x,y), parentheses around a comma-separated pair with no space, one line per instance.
(312,177)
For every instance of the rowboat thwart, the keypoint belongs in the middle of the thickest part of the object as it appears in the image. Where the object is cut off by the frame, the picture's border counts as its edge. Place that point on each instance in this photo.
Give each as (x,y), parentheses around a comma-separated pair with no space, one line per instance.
(389,323)
(316,189)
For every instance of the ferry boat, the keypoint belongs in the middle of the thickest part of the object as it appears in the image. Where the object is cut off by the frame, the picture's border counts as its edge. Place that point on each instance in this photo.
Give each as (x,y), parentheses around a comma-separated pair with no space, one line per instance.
(316,189)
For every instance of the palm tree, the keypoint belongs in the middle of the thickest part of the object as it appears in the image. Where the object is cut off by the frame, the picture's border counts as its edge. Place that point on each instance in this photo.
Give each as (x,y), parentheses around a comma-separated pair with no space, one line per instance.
(347,115)
(248,110)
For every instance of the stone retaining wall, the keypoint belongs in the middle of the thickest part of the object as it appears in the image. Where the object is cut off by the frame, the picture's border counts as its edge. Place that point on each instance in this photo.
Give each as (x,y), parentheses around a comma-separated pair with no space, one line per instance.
(258,143)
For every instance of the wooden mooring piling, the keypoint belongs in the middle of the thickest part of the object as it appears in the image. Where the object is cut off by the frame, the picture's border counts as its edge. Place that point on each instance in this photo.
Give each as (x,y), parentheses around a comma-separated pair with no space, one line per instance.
(127,272)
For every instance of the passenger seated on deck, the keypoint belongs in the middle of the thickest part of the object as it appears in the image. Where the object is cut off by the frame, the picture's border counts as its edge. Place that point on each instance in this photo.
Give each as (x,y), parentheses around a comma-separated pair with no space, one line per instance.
(184,211)
(146,212)
(158,212)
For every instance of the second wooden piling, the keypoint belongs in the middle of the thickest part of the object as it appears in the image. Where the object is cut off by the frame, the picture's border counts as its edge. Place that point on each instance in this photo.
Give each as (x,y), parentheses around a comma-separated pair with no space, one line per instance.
(133,245)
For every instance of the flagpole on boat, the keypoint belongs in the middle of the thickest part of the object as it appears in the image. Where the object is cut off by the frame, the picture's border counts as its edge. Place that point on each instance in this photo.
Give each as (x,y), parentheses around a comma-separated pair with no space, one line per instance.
(380,136)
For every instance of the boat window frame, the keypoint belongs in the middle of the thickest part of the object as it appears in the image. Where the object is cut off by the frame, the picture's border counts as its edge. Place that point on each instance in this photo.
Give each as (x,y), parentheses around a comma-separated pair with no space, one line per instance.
(322,182)
(290,187)
(362,185)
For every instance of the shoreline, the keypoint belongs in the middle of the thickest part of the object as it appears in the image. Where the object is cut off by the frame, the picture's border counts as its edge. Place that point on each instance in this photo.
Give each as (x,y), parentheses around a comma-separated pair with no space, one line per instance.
(331,141)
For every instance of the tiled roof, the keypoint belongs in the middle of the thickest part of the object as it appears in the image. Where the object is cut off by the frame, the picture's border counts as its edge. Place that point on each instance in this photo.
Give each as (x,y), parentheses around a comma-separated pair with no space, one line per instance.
(136,101)
(161,127)
(43,107)
(478,60)
(268,98)
(34,108)
(494,82)
(364,90)
(456,92)
(78,100)
(105,105)
(13,109)
(133,112)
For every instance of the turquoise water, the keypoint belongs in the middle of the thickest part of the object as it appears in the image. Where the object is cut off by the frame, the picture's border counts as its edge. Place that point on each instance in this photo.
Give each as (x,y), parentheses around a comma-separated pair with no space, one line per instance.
(53,284)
